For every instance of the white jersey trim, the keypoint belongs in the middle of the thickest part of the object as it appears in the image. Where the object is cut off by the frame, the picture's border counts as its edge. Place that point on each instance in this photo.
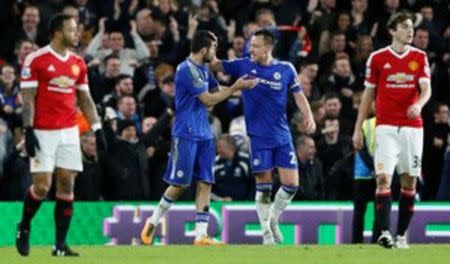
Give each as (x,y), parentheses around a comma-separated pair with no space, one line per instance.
(369,60)
(29,59)
(425,80)
(29,84)
(400,56)
(369,84)
(57,55)
(83,87)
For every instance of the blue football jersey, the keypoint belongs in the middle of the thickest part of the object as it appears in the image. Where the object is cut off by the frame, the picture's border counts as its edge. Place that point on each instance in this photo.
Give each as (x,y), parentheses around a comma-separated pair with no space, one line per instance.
(191,119)
(265,104)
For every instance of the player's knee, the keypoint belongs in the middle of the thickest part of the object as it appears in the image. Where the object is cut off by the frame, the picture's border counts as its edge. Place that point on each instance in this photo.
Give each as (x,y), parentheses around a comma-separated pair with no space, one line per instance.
(41,189)
(383,182)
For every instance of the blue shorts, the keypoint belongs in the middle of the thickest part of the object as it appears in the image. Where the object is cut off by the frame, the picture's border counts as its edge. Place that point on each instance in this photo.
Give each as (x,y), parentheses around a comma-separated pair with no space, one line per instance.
(190,159)
(264,159)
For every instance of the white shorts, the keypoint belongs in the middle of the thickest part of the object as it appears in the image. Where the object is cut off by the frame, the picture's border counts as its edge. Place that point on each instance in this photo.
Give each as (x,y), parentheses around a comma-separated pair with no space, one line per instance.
(59,148)
(398,148)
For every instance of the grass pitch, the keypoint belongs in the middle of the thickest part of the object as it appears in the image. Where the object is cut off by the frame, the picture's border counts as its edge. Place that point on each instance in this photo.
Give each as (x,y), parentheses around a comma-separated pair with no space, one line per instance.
(241,254)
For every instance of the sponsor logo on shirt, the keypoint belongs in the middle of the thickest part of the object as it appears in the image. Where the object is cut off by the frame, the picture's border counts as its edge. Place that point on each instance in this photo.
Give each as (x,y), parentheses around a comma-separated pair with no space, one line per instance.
(400,77)
(61,84)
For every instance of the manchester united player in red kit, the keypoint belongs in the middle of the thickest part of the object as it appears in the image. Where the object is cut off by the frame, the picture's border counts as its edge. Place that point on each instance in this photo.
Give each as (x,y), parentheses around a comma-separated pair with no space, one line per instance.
(53,81)
(398,77)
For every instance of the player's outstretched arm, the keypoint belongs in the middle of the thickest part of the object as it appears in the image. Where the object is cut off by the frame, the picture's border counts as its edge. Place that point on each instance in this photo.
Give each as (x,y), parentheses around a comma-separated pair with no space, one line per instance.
(211,99)
(87,106)
(364,109)
(303,105)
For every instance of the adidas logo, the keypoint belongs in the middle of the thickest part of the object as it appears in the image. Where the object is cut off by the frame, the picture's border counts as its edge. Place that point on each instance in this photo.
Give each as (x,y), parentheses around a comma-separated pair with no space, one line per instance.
(387,66)
(253,71)
(51,68)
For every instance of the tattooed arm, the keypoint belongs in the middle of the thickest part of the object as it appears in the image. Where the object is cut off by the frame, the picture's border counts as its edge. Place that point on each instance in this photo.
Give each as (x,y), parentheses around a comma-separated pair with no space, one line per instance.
(28,96)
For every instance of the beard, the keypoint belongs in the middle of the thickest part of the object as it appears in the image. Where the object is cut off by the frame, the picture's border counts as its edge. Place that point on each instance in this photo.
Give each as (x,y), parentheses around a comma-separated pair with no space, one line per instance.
(70,43)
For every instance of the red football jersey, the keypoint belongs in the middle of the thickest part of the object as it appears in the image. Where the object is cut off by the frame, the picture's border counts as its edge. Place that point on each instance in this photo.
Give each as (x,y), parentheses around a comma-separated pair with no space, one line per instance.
(396,78)
(56,79)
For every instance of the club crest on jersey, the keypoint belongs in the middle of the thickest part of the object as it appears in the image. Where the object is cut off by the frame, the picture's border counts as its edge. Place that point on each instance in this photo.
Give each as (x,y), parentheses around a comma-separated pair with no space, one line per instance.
(413,65)
(75,70)
(26,72)
(277,76)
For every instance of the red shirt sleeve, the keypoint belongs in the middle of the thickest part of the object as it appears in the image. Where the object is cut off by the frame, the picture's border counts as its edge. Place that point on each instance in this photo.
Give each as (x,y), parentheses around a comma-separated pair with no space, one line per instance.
(372,73)
(29,76)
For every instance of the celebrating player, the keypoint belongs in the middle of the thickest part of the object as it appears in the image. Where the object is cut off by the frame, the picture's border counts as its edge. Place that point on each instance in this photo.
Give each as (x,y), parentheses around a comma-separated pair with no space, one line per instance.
(193,148)
(53,79)
(394,76)
(267,126)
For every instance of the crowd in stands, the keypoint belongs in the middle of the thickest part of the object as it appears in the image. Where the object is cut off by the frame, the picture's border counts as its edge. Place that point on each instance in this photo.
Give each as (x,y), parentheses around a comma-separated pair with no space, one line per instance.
(132,49)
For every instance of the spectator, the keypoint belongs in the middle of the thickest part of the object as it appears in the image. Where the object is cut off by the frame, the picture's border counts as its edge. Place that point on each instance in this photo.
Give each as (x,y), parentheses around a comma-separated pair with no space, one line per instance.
(102,84)
(331,148)
(231,172)
(88,184)
(127,110)
(15,178)
(126,163)
(10,98)
(129,58)
(333,108)
(23,48)
(343,82)
(311,172)
(434,149)
(30,29)
(123,86)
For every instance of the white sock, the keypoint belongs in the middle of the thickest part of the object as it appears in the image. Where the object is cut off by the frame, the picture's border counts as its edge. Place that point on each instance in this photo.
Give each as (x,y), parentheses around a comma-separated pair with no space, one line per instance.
(262,201)
(201,224)
(160,210)
(282,199)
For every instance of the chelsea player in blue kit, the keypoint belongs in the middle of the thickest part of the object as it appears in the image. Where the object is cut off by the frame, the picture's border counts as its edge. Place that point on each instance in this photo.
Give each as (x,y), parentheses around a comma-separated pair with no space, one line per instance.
(193,147)
(265,116)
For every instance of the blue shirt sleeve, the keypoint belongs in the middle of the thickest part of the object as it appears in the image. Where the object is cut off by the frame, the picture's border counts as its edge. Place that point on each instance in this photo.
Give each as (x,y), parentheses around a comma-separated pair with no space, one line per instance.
(294,85)
(212,81)
(191,81)
(232,67)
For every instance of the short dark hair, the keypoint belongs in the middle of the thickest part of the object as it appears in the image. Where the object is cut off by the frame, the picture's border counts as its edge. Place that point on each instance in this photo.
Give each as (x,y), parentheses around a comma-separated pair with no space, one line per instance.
(331,95)
(110,56)
(122,77)
(202,39)
(56,23)
(397,18)
(268,36)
